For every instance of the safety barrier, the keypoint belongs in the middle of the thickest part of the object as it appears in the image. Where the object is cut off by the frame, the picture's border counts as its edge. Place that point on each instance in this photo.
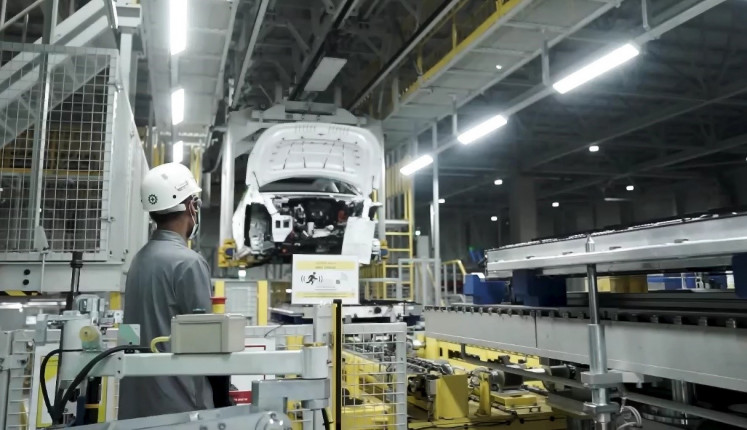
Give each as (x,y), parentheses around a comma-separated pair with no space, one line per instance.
(57,134)
(374,376)
(374,370)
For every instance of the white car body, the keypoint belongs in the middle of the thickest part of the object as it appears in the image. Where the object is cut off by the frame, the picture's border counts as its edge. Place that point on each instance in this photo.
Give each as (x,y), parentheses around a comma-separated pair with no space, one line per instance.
(308,191)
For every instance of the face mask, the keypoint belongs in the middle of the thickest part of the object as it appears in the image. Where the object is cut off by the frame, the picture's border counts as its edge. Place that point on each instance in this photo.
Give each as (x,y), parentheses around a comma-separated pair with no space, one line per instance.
(195,218)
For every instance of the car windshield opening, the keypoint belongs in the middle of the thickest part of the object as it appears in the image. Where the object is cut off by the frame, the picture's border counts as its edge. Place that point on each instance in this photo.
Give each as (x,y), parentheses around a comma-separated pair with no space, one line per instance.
(313,185)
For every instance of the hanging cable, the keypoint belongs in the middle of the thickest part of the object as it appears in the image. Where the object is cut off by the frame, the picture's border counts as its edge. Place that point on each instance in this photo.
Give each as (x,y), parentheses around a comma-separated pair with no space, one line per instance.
(42,372)
(58,409)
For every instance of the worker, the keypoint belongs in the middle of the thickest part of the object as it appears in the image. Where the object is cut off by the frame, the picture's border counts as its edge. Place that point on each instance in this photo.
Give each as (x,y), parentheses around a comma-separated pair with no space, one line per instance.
(166,278)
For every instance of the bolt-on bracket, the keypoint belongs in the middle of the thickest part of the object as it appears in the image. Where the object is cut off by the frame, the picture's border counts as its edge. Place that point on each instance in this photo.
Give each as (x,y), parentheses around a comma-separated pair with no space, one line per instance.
(601,380)
(16,361)
(596,410)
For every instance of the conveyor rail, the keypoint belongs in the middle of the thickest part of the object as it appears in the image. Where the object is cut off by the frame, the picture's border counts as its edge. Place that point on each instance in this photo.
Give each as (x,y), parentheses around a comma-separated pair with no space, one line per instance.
(685,244)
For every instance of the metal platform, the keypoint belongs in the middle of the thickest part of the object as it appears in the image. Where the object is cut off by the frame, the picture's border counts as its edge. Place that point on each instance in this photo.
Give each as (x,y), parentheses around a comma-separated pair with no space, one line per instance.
(684,244)
(508,36)
(693,353)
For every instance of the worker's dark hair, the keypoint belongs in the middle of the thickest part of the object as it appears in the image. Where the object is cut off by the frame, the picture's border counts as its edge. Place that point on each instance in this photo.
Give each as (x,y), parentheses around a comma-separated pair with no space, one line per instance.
(161,219)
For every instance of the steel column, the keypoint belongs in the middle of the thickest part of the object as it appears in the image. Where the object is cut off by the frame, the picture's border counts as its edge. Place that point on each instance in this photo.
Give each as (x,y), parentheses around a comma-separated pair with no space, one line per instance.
(382,198)
(437,17)
(436,233)
(125,63)
(228,164)
(206,185)
(597,345)
(454,277)
(246,63)
(40,127)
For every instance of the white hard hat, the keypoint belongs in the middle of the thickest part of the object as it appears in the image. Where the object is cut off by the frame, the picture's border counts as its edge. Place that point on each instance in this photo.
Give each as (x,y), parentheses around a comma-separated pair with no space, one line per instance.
(165,187)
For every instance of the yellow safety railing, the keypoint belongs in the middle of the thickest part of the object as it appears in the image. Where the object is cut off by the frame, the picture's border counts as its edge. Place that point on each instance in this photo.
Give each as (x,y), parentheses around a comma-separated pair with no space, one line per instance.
(400,230)
(195,162)
(379,280)
(159,154)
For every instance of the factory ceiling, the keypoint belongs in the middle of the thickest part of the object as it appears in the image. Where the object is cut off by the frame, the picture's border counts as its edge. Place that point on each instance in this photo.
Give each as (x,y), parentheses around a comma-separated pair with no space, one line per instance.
(673,115)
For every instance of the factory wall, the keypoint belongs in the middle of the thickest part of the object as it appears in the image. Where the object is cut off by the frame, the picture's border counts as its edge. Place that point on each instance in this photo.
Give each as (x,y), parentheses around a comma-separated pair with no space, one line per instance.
(460,229)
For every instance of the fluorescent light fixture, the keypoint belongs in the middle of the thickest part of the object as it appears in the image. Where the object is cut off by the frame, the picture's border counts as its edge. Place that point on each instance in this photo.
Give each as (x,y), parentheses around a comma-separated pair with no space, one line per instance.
(42,304)
(441,201)
(324,73)
(630,188)
(177,106)
(494,218)
(498,66)
(482,129)
(12,305)
(417,232)
(498,182)
(417,164)
(177,152)
(594,148)
(177,26)
(555,204)
(596,68)
(616,199)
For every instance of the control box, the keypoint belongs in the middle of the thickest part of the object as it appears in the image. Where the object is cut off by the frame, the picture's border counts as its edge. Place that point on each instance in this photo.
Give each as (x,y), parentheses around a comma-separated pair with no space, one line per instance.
(207,333)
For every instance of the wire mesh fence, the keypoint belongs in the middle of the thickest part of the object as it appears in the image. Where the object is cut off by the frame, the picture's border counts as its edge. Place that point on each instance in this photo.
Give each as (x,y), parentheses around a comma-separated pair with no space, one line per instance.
(56,134)
(374,376)
(374,373)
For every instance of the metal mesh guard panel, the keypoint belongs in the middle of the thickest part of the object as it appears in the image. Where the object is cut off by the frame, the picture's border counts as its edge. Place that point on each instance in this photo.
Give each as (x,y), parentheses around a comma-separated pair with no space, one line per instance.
(74,140)
(374,376)
(374,372)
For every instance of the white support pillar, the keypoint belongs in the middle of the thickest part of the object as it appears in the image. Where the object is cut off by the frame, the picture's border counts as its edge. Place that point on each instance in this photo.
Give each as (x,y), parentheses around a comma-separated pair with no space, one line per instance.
(436,233)
(228,164)
(125,62)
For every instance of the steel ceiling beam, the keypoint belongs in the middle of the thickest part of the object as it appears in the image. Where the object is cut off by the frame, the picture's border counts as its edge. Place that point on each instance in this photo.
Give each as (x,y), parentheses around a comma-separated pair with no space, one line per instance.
(676,14)
(333,22)
(247,62)
(636,124)
(460,103)
(676,158)
(436,17)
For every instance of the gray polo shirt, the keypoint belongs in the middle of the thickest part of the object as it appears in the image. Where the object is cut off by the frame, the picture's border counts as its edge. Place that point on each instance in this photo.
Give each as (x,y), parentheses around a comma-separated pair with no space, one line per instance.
(166,278)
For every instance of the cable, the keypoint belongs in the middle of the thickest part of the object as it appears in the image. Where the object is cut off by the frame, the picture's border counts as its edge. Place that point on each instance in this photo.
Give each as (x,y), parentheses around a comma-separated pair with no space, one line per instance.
(67,397)
(42,372)
(156,340)
(638,420)
(325,419)
(273,329)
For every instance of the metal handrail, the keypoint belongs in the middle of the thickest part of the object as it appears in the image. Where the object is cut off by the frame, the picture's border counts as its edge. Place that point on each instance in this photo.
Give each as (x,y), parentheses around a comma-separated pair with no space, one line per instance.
(20,14)
(454,264)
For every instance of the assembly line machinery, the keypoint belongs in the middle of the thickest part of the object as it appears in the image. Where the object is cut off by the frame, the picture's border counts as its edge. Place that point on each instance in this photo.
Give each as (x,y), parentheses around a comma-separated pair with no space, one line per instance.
(672,355)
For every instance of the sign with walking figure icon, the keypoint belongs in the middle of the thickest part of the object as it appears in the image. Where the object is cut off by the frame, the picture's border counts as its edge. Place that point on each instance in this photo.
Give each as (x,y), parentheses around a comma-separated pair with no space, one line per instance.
(323,278)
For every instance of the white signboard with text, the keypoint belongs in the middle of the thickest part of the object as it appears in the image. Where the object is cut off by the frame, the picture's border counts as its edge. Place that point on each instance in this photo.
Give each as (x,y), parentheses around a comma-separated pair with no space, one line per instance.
(323,278)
